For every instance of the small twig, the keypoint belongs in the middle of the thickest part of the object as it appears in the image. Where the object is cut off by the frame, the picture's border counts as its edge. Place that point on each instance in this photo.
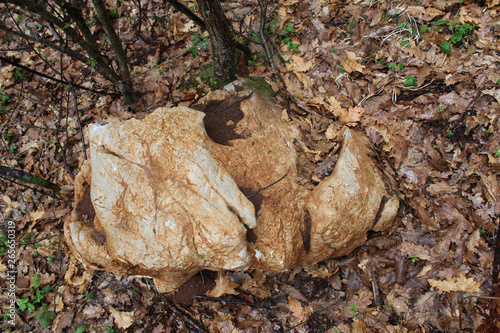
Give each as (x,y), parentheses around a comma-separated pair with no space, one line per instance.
(471,296)
(58,80)
(181,314)
(268,186)
(262,32)
(234,301)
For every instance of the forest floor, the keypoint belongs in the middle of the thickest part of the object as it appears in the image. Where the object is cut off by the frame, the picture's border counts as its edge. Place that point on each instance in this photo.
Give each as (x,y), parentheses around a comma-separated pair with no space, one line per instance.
(420,78)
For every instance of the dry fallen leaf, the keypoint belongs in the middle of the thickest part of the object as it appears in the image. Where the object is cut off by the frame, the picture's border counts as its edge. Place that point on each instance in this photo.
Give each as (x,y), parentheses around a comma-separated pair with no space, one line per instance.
(295,307)
(37,215)
(70,272)
(318,272)
(354,114)
(122,319)
(456,283)
(223,286)
(334,106)
(424,270)
(351,64)
(298,64)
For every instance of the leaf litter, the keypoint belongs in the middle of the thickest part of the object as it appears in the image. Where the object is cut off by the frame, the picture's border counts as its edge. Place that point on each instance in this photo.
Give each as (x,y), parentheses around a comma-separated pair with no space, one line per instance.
(380,66)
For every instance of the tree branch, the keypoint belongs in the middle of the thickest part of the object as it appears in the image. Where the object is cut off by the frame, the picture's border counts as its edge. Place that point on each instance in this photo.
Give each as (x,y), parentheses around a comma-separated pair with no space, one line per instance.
(27,178)
(125,84)
(101,67)
(57,80)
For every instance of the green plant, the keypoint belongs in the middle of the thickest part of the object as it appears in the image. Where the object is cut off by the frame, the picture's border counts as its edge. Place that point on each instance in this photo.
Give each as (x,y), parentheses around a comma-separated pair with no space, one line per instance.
(405,43)
(45,316)
(397,67)
(441,107)
(287,39)
(200,43)
(114,13)
(110,329)
(92,63)
(410,81)
(80,329)
(449,133)
(445,47)
(413,258)
(352,310)
(424,28)
(24,304)
(4,99)
(88,296)
(34,281)
(496,152)
(459,32)
(4,244)
(352,25)
(18,74)
(396,15)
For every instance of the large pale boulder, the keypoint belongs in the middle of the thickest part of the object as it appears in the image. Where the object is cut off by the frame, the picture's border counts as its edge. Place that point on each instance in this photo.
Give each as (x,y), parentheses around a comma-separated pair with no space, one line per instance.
(184,190)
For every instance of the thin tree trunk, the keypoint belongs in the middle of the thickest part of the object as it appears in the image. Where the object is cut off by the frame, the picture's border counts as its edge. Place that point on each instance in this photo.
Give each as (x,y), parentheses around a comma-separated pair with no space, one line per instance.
(95,55)
(76,16)
(125,84)
(221,37)
(73,54)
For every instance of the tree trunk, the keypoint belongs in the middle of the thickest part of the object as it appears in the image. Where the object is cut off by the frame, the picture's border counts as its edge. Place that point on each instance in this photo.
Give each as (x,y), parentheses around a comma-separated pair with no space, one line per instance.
(125,84)
(221,37)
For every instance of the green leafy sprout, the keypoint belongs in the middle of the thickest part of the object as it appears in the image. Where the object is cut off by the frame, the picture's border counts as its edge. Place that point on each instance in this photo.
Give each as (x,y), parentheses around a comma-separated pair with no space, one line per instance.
(45,316)
(410,81)
(80,329)
(352,310)
(287,39)
(459,32)
(413,258)
(200,43)
(396,66)
(25,304)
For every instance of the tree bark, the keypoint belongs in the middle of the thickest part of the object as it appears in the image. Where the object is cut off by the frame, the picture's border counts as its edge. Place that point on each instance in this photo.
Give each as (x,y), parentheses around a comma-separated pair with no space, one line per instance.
(199,22)
(221,37)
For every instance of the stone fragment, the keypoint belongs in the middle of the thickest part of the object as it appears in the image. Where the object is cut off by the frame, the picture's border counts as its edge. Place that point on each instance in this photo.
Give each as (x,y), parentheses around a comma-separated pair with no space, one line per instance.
(185,190)
(164,206)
